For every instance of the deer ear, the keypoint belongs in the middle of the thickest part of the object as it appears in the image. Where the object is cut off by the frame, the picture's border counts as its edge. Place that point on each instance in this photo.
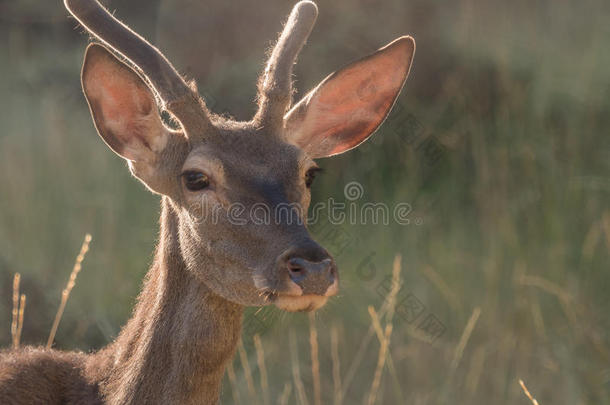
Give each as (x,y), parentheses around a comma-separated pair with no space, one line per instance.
(123,107)
(349,105)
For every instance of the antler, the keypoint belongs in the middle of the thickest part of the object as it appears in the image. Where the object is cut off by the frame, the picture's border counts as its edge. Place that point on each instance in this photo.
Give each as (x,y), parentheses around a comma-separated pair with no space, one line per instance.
(275,85)
(177,97)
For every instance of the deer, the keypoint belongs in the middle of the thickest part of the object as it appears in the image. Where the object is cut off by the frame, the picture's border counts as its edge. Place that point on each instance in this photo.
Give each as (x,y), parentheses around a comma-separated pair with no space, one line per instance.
(187,318)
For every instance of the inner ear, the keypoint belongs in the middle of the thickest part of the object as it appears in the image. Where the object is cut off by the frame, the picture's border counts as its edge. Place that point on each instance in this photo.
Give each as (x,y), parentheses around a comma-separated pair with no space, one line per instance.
(350,104)
(124,109)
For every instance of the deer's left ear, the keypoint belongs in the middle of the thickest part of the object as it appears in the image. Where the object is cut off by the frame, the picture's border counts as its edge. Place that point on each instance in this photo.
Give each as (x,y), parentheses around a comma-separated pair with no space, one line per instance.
(349,105)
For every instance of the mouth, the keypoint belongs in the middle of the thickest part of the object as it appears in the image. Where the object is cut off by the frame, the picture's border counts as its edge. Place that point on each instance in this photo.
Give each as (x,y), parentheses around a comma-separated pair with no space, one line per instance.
(296,301)
(300,303)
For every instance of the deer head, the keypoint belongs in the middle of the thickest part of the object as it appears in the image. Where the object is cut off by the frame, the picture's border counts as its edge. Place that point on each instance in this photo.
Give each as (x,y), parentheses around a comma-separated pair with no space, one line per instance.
(215,172)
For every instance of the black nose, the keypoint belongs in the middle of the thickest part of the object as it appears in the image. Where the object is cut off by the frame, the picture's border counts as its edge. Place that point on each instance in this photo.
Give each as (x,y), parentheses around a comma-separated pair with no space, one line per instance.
(312,277)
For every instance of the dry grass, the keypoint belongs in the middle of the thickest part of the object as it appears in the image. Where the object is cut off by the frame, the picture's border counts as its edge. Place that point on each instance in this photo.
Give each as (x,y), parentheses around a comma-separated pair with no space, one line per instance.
(387,308)
(356,361)
(383,349)
(384,337)
(527,393)
(334,353)
(18,312)
(285,396)
(233,381)
(296,369)
(606,226)
(20,320)
(243,356)
(15,313)
(315,362)
(459,350)
(19,300)
(65,294)
(260,358)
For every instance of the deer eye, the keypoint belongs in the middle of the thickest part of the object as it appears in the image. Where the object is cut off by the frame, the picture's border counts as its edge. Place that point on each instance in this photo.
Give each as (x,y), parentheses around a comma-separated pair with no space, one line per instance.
(310,176)
(195,181)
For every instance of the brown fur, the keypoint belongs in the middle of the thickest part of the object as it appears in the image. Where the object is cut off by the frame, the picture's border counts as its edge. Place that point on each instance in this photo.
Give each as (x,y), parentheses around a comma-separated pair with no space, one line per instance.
(207,268)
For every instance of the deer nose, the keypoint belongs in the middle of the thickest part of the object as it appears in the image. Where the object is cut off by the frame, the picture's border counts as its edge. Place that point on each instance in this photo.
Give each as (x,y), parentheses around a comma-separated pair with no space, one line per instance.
(312,277)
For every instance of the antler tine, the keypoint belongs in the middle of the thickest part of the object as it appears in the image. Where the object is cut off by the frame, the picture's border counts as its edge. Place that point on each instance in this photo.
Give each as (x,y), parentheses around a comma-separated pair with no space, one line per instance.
(275,85)
(177,97)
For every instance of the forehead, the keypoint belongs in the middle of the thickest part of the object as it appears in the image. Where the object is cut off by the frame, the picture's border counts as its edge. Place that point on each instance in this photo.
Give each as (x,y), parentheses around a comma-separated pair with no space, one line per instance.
(248,154)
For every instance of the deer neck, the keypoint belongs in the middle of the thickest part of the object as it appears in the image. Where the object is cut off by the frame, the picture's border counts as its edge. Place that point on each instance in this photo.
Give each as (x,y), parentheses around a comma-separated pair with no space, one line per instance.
(176,346)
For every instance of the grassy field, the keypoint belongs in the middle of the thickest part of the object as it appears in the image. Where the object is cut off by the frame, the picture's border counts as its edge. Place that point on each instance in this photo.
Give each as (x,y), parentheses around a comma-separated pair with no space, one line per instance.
(500,145)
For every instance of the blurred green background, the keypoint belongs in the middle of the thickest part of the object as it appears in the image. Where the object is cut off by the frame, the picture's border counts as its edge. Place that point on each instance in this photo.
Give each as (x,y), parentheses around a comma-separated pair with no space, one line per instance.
(500,143)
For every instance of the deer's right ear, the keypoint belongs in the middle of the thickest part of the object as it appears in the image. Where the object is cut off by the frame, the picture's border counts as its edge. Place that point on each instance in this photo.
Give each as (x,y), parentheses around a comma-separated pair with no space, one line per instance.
(124,109)
(348,106)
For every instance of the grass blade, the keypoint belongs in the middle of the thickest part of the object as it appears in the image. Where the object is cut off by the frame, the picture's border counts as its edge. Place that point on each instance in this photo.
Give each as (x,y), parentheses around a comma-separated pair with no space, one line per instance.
(65,294)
